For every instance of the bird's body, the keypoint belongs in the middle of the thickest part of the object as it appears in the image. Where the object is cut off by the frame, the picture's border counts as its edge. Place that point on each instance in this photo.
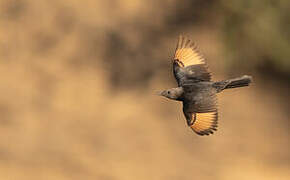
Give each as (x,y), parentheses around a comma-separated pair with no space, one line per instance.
(195,88)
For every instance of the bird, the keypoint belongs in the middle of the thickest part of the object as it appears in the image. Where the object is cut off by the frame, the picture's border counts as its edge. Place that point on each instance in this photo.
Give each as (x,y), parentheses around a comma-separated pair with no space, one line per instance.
(196,90)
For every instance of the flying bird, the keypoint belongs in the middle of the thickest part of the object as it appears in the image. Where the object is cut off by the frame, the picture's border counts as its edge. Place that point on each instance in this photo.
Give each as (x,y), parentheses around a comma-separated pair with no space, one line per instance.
(195,88)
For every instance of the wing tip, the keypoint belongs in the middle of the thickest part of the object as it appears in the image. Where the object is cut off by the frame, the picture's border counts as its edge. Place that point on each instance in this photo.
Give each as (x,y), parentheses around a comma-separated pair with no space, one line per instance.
(184,42)
(206,132)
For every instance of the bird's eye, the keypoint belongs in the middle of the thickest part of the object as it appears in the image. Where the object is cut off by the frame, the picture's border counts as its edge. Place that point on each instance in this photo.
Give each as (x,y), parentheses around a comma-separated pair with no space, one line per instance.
(168,92)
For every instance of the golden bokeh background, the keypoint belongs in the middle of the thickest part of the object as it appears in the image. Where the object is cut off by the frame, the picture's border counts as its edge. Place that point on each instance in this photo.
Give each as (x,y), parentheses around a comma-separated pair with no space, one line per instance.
(78,82)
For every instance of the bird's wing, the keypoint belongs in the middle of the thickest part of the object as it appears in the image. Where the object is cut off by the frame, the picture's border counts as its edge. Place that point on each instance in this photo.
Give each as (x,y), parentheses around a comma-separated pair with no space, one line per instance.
(204,123)
(188,63)
(201,114)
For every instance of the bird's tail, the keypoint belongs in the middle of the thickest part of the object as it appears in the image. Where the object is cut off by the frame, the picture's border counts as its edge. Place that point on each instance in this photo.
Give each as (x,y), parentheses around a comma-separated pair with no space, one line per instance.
(233,83)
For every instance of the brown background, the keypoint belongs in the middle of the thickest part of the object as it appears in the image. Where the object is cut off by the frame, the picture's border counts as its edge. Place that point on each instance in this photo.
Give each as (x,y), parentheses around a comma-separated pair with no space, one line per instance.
(78,82)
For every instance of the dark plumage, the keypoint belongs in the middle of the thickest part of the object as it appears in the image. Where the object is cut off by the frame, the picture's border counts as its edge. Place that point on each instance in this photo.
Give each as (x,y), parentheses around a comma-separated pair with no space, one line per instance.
(195,88)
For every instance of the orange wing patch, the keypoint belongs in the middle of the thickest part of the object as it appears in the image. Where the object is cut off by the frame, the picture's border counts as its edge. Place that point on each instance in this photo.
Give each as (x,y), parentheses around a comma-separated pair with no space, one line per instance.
(186,53)
(204,123)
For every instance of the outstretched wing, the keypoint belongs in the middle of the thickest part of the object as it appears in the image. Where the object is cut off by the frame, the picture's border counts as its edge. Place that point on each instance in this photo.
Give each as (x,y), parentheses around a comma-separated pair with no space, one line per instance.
(204,123)
(201,112)
(188,64)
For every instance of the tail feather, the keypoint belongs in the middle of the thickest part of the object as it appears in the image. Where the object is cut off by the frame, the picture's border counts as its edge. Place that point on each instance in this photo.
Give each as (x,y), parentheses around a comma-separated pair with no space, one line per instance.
(233,83)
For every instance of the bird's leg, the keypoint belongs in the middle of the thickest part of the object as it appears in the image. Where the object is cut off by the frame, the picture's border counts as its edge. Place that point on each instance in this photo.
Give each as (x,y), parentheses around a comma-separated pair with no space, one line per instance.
(222,85)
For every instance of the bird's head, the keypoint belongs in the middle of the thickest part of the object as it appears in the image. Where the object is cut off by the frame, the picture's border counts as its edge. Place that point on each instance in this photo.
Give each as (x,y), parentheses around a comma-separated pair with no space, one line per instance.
(173,93)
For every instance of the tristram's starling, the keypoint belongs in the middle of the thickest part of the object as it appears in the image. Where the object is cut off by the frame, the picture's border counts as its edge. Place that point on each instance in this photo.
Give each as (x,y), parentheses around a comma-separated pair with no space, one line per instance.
(195,88)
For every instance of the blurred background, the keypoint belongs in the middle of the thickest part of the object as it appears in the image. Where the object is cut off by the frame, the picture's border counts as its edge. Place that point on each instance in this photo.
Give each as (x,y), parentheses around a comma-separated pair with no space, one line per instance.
(78,82)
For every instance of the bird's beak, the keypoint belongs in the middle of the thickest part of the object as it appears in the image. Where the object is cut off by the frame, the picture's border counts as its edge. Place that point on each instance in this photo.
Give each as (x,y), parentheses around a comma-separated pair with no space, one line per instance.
(159,93)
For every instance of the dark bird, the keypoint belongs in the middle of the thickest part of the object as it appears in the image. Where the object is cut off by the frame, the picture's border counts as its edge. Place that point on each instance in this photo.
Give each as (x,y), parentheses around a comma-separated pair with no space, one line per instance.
(195,88)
